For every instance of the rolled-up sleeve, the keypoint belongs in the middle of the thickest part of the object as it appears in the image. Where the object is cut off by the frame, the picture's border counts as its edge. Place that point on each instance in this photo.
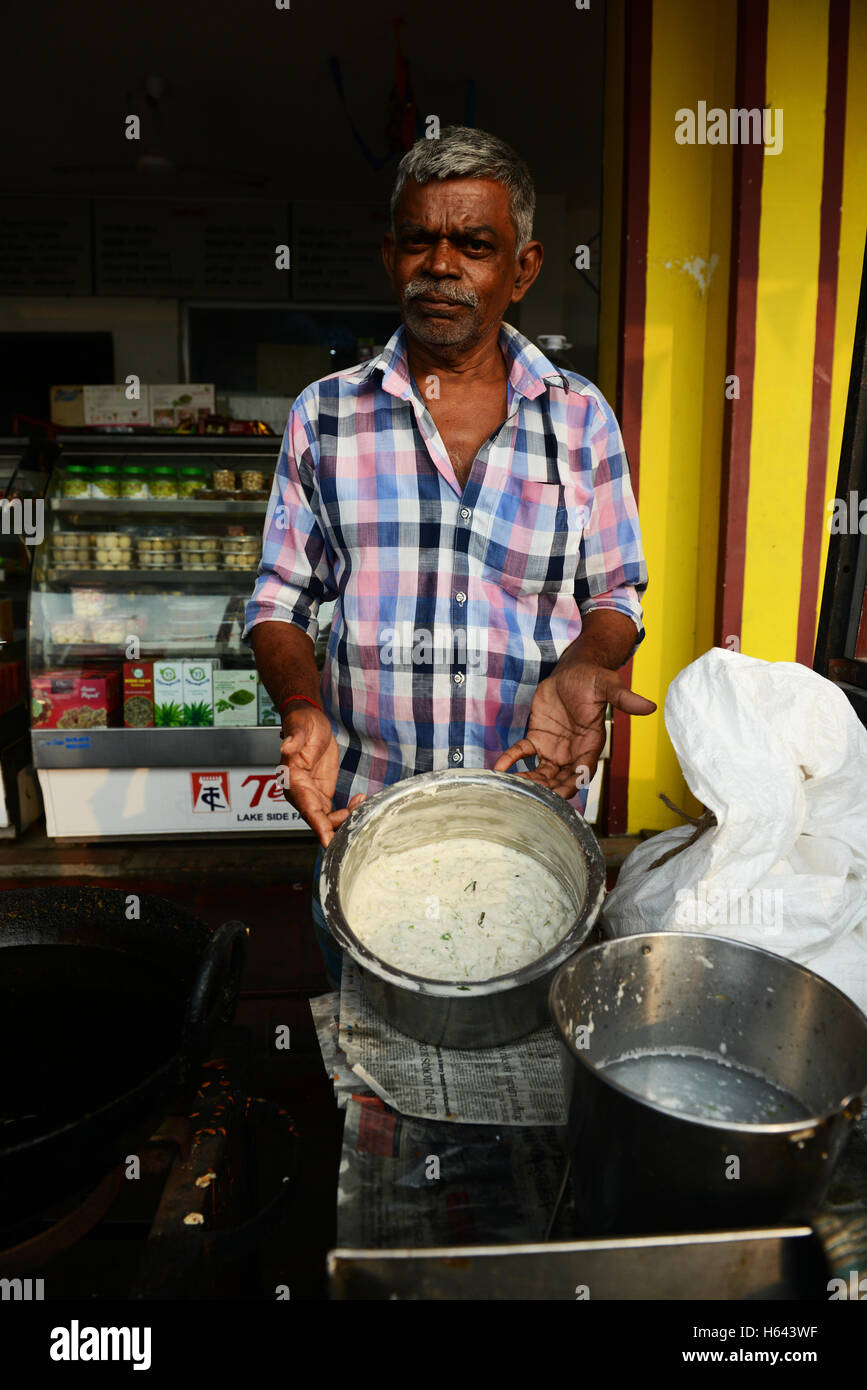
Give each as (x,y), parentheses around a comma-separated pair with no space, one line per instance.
(295,573)
(612,572)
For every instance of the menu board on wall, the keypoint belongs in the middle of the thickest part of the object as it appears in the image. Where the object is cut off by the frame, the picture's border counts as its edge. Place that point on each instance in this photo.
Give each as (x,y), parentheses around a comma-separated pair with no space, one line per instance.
(44,246)
(195,250)
(198,249)
(336,253)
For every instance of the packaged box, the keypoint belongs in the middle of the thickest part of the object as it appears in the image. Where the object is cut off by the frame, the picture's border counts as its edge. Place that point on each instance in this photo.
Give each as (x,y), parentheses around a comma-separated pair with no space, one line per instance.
(168,694)
(267,714)
(66,404)
(235,705)
(75,406)
(85,699)
(138,694)
(108,405)
(180,403)
(198,693)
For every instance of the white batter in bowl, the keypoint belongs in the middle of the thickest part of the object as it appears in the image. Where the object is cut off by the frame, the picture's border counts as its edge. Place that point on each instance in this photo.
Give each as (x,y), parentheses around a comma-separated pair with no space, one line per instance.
(458,909)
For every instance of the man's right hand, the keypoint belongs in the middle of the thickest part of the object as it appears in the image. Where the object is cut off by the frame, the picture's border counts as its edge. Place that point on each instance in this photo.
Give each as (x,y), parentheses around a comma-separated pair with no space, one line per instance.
(309,751)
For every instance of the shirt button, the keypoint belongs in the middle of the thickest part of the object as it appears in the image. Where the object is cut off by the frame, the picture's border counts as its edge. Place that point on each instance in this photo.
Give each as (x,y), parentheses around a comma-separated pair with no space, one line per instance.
(459,678)
(466,513)
(457,756)
(460,596)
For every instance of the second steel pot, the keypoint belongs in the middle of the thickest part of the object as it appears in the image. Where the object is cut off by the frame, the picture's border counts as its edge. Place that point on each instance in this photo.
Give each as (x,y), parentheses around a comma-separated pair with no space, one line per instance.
(639,1167)
(438,806)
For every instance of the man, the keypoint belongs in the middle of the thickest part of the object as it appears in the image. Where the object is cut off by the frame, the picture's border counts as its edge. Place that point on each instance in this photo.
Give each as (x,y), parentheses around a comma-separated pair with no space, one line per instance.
(469,506)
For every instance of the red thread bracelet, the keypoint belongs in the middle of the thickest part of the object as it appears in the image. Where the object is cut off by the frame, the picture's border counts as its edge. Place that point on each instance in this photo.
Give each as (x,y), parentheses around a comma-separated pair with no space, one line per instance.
(305,698)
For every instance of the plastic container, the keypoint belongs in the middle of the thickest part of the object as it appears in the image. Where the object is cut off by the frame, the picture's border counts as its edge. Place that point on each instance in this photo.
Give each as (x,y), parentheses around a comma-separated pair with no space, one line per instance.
(112,552)
(157,552)
(224,480)
(76,480)
(134,484)
(190,480)
(241,552)
(163,484)
(105,482)
(70,540)
(252,480)
(90,603)
(208,545)
(71,549)
(70,631)
(236,543)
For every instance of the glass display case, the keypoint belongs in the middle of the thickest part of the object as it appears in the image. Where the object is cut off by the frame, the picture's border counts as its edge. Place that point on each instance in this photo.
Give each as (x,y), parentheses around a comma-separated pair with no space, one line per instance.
(147,715)
(22,479)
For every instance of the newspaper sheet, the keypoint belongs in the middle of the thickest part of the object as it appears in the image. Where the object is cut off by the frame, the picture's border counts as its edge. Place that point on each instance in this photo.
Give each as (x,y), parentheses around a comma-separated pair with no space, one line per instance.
(407,1182)
(325,1009)
(516,1085)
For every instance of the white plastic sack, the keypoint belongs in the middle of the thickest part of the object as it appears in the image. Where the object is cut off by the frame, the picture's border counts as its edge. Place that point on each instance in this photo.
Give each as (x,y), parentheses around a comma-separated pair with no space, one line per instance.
(779,755)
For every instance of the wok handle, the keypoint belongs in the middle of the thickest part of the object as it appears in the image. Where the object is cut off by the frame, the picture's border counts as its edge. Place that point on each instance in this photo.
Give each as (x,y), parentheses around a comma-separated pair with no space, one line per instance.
(246,1237)
(214,995)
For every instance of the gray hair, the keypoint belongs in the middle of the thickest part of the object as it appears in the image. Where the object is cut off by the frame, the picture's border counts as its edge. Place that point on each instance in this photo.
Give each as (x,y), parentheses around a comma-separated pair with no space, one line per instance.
(461,152)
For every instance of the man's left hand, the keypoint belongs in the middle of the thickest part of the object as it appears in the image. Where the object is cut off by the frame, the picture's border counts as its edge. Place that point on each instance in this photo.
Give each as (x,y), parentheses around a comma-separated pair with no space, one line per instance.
(566,728)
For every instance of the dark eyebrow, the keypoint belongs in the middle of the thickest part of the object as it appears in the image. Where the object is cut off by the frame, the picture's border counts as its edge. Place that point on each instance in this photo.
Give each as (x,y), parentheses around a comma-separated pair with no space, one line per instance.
(460,234)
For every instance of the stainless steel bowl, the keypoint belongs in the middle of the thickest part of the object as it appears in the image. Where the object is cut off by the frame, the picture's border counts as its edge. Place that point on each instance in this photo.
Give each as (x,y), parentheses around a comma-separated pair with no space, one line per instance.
(640,1167)
(439,806)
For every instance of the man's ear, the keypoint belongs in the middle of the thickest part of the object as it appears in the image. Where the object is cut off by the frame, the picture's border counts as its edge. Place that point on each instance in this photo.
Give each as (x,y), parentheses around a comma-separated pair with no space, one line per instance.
(388,253)
(529,265)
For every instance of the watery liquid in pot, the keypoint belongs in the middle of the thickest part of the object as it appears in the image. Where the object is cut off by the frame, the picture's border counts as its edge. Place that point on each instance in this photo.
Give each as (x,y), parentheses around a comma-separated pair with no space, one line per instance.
(705,1086)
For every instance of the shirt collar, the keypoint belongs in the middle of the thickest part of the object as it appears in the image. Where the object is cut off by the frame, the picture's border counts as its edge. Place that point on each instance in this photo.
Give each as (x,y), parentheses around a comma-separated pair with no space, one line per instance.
(530,371)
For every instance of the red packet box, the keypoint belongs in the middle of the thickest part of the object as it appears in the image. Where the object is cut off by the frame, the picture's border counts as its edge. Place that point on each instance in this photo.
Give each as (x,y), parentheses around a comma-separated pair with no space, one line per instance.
(88,698)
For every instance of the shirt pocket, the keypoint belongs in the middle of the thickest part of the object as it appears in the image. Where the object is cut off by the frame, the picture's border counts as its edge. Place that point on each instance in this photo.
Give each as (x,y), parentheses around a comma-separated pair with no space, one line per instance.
(530,543)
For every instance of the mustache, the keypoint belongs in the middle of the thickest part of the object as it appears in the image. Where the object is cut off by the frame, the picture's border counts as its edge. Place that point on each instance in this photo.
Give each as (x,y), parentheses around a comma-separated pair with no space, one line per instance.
(439,289)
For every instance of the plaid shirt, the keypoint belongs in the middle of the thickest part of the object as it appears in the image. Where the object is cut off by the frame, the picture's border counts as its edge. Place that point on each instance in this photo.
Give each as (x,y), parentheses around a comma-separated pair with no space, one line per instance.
(452,604)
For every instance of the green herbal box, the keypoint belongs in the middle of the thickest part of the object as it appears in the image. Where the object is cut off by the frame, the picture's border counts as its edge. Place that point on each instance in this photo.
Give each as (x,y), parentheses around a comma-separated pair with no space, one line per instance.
(235,699)
(198,677)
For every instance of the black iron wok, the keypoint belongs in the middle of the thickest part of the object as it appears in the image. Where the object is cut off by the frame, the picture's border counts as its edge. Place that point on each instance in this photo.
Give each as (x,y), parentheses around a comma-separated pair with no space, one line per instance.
(104,1019)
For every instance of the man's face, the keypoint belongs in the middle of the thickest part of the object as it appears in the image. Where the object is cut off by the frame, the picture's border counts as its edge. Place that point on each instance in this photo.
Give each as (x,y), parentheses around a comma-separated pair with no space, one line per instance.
(452,260)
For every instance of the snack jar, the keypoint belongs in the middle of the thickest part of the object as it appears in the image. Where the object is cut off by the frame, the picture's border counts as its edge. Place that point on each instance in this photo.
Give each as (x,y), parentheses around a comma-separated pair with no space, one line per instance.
(163,483)
(224,480)
(190,480)
(105,482)
(76,480)
(134,483)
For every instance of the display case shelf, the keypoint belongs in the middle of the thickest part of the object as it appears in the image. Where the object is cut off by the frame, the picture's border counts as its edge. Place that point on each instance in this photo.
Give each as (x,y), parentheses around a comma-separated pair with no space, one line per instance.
(132,748)
(169,646)
(130,510)
(102,578)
